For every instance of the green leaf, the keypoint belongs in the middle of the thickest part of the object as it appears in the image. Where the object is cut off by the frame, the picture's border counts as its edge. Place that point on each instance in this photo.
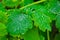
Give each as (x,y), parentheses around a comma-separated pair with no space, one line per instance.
(30,9)
(12,38)
(42,21)
(55,9)
(13,11)
(18,23)
(47,12)
(57,37)
(3,17)
(53,6)
(42,37)
(3,30)
(41,9)
(36,16)
(2,7)
(11,3)
(26,2)
(3,38)
(51,3)
(32,34)
(58,22)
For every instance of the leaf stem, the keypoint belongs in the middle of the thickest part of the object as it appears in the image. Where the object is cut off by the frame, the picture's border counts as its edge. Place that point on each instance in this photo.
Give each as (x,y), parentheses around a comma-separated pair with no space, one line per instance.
(48,35)
(32,4)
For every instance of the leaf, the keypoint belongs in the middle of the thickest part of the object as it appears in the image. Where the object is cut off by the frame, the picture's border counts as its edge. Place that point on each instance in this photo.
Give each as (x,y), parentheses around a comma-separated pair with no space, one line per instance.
(3,38)
(57,37)
(42,21)
(29,10)
(55,9)
(40,8)
(12,38)
(51,3)
(47,13)
(2,7)
(11,3)
(26,2)
(42,37)
(18,23)
(13,11)
(3,30)
(3,17)
(53,6)
(36,16)
(58,22)
(32,34)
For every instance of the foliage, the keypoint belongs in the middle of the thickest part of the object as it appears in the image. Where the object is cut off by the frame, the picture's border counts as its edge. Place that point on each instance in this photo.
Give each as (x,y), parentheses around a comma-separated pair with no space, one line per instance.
(29,20)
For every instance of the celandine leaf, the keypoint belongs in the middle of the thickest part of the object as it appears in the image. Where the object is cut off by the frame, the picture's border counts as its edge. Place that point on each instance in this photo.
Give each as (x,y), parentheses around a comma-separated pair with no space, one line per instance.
(42,21)
(11,3)
(3,29)
(56,8)
(45,11)
(19,23)
(3,17)
(53,6)
(2,7)
(41,9)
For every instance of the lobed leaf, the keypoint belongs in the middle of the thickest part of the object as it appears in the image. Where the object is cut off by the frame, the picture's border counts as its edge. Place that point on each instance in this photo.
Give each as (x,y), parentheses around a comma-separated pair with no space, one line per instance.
(11,3)
(42,21)
(3,30)
(18,23)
